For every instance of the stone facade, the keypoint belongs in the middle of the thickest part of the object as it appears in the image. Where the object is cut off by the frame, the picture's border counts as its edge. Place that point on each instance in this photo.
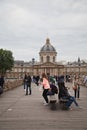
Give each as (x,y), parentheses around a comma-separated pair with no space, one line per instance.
(47,64)
(47,53)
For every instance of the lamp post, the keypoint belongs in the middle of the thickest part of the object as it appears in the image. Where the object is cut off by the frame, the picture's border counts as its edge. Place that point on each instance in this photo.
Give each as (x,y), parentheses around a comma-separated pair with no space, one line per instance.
(33,61)
(79,64)
(22,70)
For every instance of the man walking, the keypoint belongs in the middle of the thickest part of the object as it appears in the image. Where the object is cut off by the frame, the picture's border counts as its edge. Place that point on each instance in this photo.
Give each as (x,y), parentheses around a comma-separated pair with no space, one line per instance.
(28,84)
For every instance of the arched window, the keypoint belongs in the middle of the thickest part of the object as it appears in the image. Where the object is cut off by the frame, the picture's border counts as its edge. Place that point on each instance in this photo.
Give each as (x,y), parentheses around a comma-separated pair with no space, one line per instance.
(48,58)
(54,59)
(42,59)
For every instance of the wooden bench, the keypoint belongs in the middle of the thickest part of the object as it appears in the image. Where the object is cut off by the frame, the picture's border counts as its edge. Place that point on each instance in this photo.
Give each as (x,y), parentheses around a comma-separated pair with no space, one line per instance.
(61,100)
(62,103)
(52,101)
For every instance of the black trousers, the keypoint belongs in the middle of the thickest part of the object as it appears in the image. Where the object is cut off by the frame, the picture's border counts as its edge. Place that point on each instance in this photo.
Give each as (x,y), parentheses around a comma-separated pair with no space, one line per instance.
(77,92)
(45,95)
(28,86)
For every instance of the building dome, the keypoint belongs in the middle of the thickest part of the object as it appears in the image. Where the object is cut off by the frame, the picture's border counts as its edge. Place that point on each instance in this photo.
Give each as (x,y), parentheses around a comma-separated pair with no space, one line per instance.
(47,53)
(47,47)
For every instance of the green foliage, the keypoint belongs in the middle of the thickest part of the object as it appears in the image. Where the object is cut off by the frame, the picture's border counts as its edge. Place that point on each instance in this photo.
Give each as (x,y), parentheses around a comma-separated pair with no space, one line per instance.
(6,60)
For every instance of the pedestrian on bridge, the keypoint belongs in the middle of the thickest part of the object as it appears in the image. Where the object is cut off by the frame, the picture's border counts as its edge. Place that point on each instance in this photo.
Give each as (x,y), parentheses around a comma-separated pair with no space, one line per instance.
(46,87)
(28,84)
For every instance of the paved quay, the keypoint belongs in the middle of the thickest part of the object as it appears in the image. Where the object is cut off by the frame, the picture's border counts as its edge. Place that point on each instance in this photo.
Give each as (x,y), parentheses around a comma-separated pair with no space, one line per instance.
(20,112)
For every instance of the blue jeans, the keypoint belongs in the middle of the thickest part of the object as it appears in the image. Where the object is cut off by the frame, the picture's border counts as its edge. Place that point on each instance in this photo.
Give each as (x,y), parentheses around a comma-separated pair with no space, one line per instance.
(70,101)
(24,85)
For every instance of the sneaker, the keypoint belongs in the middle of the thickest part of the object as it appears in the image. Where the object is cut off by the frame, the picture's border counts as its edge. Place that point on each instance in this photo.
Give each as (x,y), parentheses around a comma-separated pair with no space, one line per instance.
(70,108)
(79,107)
(45,104)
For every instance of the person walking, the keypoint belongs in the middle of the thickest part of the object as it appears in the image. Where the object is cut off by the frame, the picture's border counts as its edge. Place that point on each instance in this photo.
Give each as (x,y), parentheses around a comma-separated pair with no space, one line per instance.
(24,81)
(76,87)
(85,81)
(46,87)
(28,84)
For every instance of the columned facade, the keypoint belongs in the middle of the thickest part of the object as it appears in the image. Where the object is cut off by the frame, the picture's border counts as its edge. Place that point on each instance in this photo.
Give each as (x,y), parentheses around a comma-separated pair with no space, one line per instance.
(47,53)
(48,64)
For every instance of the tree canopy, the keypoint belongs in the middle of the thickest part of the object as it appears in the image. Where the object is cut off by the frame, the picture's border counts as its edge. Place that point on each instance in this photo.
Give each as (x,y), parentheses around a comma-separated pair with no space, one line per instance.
(6,60)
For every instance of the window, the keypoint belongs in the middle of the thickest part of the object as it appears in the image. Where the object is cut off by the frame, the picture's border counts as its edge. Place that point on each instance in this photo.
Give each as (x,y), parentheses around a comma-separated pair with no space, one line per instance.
(42,59)
(53,58)
(48,58)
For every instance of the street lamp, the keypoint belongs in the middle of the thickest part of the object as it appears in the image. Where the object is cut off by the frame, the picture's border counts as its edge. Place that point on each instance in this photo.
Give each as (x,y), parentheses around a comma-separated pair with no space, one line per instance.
(22,70)
(33,61)
(79,64)
(78,91)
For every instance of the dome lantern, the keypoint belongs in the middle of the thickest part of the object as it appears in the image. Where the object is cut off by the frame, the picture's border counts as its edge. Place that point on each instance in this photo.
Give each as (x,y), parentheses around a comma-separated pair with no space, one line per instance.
(47,41)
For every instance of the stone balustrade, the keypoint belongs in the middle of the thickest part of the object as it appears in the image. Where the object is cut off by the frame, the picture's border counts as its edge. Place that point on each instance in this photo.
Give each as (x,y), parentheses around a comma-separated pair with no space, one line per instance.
(10,84)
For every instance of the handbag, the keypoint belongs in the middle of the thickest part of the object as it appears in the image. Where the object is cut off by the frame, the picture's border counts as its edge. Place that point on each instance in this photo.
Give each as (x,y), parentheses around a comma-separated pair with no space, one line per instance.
(74,87)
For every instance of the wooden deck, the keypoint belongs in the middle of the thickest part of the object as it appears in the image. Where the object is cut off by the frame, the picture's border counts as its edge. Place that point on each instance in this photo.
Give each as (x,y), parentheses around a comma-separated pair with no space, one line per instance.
(20,112)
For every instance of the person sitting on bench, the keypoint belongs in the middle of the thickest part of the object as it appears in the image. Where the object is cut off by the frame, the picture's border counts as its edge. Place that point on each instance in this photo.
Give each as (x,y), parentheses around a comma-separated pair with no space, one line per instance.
(64,94)
(51,93)
(53,89)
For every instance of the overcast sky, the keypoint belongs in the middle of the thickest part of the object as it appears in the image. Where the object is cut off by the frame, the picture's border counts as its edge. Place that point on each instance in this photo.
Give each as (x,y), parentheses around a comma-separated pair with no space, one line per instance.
(25,25)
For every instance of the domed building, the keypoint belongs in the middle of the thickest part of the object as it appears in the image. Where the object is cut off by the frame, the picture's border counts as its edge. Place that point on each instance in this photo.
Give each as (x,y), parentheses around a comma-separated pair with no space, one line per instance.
(48,52)
(48,63)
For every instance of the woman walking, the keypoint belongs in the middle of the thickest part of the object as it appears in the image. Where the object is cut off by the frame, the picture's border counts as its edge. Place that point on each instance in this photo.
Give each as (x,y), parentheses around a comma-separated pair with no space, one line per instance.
(46,87)
(76,87)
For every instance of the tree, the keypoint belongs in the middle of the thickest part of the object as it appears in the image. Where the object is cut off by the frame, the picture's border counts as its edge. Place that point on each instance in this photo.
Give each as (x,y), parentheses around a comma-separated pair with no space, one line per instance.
(6,61)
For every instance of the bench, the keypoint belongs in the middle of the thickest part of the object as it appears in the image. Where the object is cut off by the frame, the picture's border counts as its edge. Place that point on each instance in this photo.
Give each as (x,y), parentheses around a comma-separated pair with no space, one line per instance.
(61,100)
(52,101)
(62,103)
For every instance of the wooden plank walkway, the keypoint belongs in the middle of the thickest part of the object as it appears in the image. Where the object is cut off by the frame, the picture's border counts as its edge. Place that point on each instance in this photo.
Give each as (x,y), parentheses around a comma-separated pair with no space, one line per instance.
(20,112)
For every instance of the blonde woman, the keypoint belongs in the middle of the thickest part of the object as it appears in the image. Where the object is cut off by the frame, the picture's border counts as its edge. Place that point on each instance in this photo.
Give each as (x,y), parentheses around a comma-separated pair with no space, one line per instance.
(76,86)
(46,87)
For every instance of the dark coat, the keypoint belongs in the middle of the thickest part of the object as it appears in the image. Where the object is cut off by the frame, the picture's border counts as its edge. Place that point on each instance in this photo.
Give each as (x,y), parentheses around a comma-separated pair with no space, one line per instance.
(28,80)
(63,92)
(25,77)
(1,81)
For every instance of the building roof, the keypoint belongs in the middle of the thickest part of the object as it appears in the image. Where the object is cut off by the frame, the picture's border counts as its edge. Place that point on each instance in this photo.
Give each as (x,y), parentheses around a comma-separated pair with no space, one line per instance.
(48,47)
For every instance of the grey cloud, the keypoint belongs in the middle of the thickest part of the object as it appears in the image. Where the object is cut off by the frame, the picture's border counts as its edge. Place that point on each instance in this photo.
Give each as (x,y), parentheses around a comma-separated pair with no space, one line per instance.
(25,25)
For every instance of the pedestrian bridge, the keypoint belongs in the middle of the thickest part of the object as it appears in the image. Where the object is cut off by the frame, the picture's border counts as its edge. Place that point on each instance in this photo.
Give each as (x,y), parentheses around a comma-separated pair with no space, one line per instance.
(20,112)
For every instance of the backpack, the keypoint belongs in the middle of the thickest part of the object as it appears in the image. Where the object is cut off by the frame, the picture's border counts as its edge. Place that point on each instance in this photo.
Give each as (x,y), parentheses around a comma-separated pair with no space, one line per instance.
(54,89)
